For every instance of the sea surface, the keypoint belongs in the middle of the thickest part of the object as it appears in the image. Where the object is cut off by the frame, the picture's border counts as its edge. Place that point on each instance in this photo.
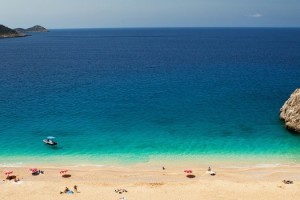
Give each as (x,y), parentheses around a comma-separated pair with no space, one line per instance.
(132,95)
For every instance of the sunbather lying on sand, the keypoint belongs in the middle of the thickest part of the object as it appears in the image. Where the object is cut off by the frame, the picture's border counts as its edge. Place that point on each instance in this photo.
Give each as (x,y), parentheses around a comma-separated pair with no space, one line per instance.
(67,191)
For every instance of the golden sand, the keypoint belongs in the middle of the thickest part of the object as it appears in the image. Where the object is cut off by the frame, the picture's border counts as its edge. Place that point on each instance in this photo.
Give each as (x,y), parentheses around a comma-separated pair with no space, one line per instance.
(152,182)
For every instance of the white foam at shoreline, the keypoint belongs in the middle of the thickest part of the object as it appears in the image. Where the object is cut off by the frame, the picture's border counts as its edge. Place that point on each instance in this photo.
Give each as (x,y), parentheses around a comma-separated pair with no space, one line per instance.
(19,164)
(220,161)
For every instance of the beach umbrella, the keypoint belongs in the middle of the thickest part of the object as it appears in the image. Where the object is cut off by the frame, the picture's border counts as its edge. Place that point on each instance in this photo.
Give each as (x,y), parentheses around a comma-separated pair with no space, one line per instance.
(189,173)
(33,170)
(63,171)
(50,137)
(8,173)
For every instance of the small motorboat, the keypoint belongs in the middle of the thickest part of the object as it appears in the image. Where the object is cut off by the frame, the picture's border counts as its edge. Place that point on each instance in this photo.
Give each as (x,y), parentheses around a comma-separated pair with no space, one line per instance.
(50,140)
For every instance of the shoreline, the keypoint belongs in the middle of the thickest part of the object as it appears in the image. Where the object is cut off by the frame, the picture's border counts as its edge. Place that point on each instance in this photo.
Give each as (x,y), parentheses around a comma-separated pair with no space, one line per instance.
(240,161)
(13,36)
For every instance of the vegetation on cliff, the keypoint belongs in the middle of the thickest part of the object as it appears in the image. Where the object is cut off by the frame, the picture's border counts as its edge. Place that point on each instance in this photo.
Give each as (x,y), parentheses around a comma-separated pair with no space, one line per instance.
(7,32)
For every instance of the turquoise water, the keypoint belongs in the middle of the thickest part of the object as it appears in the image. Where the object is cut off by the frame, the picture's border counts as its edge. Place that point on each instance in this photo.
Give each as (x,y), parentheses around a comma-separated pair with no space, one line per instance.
(135,94)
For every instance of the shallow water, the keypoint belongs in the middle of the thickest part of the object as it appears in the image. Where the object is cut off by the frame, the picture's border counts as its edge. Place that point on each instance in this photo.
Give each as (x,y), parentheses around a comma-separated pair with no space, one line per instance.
(133,94)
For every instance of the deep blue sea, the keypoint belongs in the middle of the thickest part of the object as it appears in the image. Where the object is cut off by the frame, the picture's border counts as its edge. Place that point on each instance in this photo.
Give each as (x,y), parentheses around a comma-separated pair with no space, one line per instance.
(137,94)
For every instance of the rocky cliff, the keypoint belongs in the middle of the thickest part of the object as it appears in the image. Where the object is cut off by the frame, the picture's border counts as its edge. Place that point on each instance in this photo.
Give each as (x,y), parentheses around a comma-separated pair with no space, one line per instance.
(6,32)
(290,112)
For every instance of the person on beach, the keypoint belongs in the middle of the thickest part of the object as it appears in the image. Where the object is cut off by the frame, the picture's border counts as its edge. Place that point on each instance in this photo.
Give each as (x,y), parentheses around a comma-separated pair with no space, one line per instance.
(210,172)
(66,190)
(75,188)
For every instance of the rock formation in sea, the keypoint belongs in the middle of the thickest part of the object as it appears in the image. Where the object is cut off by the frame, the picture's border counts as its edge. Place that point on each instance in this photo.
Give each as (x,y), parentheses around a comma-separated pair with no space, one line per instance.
(290,112)
(6,32)
(36,28)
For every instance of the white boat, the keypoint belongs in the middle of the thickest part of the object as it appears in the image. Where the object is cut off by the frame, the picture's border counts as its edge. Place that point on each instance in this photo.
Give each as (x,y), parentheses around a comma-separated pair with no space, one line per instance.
(49,140)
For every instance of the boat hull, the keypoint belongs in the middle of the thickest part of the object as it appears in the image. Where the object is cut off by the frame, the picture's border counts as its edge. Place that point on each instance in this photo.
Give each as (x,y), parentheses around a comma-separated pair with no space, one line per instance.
(50,143)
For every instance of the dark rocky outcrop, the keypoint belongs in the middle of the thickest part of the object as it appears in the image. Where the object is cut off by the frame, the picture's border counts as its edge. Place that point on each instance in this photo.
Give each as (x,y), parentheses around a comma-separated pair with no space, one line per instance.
(6,32)
(37,28)
(290,112)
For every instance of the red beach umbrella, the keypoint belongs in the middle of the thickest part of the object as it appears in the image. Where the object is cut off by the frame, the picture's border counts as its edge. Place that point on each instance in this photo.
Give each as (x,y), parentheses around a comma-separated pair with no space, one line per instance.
(63,171)
(8,173)
(33,170)
(188,171)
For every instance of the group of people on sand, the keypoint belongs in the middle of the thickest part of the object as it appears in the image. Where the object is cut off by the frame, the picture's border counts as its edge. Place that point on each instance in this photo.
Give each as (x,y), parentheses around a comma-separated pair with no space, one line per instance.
(120,191)
(68,191)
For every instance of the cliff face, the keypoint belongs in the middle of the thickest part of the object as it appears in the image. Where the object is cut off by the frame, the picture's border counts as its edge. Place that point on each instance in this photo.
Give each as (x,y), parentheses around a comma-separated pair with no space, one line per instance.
(290,112)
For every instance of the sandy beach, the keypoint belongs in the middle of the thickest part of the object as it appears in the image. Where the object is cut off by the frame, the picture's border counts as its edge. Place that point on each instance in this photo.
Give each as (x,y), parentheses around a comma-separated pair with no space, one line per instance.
(152,182)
